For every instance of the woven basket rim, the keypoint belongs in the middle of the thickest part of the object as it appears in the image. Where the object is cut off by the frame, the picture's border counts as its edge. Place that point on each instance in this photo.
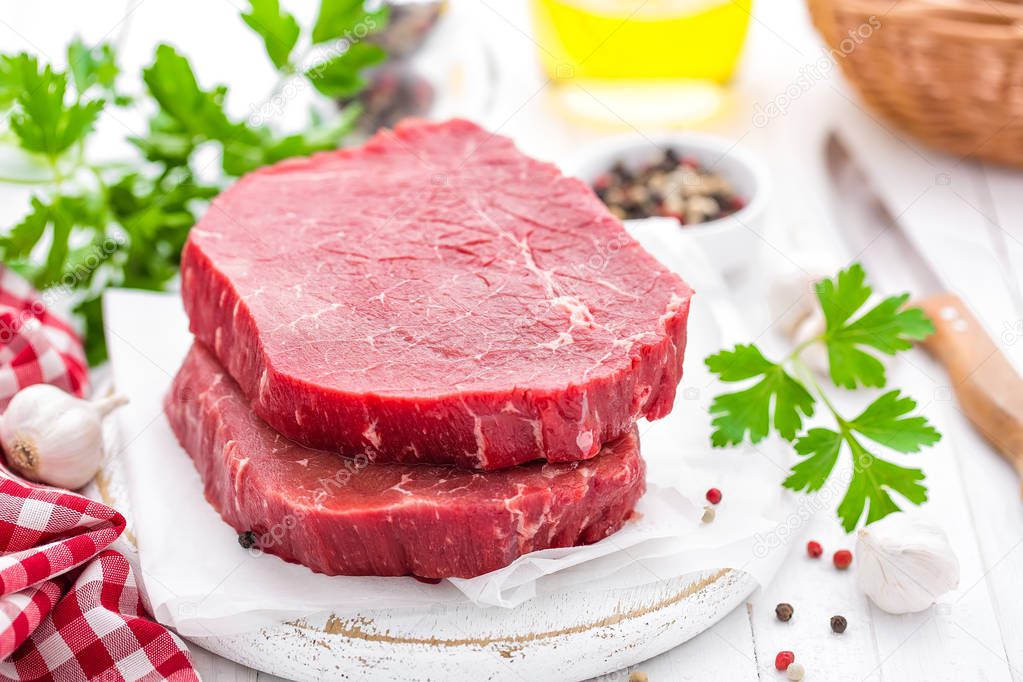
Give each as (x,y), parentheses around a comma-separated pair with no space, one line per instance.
(947,72)
(954,20)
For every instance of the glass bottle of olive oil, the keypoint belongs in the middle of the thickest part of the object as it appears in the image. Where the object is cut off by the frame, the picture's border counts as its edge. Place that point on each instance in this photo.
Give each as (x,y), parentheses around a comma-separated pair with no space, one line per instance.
(680,45)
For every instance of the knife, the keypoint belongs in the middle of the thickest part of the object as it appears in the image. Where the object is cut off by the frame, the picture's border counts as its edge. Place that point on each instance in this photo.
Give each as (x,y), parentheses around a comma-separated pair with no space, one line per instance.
(987,386)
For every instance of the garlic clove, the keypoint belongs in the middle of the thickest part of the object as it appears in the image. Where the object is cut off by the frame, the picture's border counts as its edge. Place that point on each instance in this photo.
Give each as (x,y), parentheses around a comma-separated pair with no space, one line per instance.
(815,355)
(105,406)
(52,437)
(791,294)
(905,562)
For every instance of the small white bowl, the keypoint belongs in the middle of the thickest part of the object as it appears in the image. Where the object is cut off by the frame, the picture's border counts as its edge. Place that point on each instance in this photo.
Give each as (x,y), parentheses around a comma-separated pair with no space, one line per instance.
(733,241)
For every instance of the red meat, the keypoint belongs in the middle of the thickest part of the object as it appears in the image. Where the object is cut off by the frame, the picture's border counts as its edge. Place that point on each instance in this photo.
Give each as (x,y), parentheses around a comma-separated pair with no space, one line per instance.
(345,516)
(435,296)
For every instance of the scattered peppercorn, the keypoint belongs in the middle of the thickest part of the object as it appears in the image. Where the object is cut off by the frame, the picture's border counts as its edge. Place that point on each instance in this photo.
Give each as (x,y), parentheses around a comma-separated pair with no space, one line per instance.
(713,495)
(842,559)
(247,539)
(784,659)
(708,514)
(674,187)
(795,672)
(814,549)
(638,677)
(784,612)
(839,624)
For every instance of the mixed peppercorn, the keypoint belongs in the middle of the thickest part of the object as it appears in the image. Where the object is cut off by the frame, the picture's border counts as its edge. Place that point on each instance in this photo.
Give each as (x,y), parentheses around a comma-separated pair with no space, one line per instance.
(673,186)
(785,661)
(842,559)
(247,539)
(784,612)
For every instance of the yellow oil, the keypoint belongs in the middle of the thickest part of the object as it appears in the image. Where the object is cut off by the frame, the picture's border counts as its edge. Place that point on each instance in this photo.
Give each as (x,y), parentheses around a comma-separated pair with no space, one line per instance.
(640,39)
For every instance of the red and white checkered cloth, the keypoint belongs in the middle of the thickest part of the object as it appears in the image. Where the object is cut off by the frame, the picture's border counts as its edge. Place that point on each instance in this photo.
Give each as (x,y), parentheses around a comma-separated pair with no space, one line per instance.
(36,346)
(70,608)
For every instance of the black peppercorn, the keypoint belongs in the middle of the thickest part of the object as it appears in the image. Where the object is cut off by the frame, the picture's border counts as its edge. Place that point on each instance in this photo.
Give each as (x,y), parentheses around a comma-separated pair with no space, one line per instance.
(784,612)
(247,539)
(670,187)
(838,624)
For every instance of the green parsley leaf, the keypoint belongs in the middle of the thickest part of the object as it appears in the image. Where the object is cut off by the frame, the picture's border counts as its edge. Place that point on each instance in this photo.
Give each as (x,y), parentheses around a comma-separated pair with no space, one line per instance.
(90,310)
(888,327)
(240,157)
(198,113)
(91,66)
(347,19)
(11,80)
(278,29)
(872,478)
(43,122)
(22,238)
(341,76)
(884,422)
(61,218)
(57,219)
(751,410)
(821,448)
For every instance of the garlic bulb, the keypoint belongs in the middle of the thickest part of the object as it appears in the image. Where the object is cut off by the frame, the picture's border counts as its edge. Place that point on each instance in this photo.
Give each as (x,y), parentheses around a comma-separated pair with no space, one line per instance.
(791,294)
(815,355)
(905,562)
(52,437)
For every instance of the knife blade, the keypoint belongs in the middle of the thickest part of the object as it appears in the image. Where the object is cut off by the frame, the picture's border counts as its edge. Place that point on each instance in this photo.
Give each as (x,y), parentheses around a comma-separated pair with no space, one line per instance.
(986,385)
(871,233)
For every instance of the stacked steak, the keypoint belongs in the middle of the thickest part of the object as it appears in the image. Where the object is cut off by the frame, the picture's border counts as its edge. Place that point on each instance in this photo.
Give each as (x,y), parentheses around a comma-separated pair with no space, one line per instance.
(424,356)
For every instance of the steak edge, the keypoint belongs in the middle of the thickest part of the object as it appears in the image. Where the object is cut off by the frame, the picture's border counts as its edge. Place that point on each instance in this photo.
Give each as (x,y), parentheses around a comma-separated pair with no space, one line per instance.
(344,516)
(435,296)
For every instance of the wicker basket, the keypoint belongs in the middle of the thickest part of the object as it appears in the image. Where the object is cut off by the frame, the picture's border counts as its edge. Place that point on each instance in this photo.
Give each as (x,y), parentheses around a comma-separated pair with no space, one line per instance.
(948,72)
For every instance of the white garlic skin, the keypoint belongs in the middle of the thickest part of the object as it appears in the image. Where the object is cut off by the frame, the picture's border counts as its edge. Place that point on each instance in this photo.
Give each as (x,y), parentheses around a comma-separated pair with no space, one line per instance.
(52,437)
(904,562)
(815,355)
(791,293)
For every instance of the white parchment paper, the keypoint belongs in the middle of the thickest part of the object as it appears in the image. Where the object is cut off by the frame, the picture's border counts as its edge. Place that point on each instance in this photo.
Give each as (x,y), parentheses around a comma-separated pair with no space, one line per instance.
(201,582)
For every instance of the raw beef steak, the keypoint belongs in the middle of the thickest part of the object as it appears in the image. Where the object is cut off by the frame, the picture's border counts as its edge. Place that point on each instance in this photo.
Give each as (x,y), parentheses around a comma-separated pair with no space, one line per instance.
(350,517)
(435,296)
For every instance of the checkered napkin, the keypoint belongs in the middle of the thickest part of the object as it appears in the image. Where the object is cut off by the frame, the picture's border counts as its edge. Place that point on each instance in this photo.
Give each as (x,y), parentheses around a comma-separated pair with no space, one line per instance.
(36,346)
(70,608)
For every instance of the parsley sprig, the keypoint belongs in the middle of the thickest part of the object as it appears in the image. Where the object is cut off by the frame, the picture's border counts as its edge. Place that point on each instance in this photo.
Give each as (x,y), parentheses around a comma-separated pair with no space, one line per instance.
(89,224)
(784,394)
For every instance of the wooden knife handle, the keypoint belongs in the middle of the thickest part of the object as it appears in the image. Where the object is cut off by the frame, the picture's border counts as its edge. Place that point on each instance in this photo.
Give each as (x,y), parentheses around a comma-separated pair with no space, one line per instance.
(989,390)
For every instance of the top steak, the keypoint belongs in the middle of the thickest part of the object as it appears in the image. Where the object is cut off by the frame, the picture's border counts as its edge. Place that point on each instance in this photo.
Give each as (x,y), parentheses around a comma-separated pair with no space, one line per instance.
(435,296)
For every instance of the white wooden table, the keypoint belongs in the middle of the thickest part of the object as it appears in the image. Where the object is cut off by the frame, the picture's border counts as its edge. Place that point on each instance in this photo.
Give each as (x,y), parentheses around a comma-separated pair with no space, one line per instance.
(968,218)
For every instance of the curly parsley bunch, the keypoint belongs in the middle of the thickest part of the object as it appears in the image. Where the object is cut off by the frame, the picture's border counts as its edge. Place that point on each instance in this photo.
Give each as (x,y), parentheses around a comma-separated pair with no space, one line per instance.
(93,225)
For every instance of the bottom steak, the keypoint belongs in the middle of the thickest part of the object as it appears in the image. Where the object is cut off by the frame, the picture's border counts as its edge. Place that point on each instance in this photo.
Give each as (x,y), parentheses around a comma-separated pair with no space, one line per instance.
(350,517)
